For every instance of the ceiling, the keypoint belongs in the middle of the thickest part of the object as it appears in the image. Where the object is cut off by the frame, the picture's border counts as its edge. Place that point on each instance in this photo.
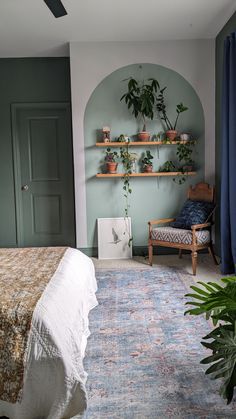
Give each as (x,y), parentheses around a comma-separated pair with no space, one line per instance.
(28,28)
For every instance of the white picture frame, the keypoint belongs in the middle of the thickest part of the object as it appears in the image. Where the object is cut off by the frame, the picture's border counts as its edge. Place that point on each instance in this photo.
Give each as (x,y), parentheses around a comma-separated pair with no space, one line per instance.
(113,238)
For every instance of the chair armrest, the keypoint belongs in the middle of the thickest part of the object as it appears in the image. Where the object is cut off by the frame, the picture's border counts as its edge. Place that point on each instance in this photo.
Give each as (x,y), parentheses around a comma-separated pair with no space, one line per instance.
(200,226)
(161,221)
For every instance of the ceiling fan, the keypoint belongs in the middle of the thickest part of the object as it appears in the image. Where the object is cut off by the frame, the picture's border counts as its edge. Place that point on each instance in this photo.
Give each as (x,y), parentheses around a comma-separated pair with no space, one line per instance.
(56,7)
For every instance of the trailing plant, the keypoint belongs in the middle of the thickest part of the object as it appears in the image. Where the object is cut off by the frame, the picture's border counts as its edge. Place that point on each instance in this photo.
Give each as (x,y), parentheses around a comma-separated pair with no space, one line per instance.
(168,166)
(184,153)
(147,159)
(127,160)
(218,303)
(180,179)
(161,108)
(111,156)
(141,97)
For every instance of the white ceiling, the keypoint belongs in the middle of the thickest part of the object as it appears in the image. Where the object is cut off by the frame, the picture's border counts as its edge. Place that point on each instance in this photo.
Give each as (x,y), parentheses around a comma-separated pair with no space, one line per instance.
(27,27)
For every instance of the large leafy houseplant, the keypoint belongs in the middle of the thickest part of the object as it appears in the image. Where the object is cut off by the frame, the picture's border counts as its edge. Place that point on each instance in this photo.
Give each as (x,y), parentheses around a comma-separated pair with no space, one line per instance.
(140,99)
(219,303)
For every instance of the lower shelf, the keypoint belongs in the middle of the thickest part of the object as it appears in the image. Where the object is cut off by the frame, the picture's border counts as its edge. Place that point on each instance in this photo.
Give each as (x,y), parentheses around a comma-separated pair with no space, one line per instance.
(153,174)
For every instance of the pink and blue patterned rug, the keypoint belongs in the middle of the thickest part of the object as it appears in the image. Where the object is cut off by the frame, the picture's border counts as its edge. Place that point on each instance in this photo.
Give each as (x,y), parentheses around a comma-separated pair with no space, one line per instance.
(143,354)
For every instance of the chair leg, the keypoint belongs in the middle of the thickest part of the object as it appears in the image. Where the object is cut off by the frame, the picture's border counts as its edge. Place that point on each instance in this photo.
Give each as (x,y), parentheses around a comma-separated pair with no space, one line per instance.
(211,251)
(150,253)
(194,262)
(180,253)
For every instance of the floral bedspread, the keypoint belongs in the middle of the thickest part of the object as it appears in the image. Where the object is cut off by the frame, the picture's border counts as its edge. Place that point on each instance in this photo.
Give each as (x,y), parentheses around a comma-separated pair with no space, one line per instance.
(24,274)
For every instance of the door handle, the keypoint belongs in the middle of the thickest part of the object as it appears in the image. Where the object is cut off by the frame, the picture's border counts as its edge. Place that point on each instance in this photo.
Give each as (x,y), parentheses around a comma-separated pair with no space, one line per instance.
(24,188)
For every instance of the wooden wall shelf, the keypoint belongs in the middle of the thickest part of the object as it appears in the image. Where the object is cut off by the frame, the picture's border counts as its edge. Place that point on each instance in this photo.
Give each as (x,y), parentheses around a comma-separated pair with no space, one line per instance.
(153,174)
(137,143)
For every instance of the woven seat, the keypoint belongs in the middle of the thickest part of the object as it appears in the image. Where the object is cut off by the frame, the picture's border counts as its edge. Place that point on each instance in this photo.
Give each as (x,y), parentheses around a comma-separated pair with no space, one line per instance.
(192,228)
(177,235)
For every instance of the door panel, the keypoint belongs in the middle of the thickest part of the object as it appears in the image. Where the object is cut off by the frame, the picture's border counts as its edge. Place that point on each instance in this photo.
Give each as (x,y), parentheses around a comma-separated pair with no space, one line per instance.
(43,150)
(46,212)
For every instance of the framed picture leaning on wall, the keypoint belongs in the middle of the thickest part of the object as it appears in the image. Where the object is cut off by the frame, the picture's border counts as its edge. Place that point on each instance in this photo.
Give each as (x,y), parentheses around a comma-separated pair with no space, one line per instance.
(114,236)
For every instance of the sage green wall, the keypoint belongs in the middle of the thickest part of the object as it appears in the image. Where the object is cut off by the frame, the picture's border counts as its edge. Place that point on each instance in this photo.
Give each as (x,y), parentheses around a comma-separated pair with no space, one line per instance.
(24,80)
(152,197)
(226,30)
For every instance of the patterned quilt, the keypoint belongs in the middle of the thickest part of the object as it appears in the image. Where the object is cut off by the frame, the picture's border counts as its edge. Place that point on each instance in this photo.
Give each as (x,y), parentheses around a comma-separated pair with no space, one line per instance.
(24,274)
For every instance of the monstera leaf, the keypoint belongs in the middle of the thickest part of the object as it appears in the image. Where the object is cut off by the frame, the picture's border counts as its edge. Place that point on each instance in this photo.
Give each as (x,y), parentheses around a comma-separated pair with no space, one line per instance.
(223,359)
(218,303)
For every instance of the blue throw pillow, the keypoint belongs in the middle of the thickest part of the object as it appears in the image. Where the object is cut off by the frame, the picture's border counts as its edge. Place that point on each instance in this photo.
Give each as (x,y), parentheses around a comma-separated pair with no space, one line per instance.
(193,212)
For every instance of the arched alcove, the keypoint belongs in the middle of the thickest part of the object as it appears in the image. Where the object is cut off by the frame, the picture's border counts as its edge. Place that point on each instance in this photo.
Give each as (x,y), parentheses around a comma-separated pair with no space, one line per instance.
(151,197)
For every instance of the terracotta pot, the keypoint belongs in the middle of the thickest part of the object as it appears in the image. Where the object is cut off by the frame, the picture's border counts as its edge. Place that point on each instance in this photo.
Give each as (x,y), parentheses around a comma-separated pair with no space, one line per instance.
(171,134)
(148,169)
(112,167)
(144,136)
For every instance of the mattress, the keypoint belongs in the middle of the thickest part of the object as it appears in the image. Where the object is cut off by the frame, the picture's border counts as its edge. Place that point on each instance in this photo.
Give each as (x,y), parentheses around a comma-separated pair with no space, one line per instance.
(54,377)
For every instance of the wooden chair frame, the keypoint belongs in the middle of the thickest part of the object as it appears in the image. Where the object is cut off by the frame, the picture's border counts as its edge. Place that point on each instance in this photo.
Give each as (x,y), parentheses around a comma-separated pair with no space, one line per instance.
(201,191)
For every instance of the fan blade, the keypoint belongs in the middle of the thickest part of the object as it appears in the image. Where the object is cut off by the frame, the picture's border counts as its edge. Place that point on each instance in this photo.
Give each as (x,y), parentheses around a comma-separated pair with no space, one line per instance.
(56,7)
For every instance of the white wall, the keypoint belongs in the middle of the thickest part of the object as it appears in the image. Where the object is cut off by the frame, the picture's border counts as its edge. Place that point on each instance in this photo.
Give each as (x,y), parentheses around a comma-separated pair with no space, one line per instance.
(91,62)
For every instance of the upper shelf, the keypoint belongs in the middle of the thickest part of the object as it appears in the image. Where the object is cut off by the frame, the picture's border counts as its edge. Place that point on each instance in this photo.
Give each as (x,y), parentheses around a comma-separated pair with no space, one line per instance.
(134,143)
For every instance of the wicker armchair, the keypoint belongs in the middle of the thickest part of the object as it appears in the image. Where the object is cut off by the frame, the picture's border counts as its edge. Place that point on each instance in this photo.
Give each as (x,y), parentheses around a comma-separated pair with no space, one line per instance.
(198,238)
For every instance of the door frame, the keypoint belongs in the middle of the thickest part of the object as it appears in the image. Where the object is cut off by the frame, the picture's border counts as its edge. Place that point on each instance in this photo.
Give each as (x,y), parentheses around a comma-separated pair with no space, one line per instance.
(16,161)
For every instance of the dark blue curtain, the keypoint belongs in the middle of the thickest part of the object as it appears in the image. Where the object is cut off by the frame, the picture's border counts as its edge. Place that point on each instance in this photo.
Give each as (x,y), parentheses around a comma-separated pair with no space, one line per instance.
(228,167)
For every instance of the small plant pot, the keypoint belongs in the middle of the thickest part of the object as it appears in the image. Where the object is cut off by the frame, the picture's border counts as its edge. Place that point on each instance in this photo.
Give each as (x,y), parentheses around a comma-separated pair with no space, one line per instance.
(144,136)
(111,167)
(184,136)
(148,169)
(171,134)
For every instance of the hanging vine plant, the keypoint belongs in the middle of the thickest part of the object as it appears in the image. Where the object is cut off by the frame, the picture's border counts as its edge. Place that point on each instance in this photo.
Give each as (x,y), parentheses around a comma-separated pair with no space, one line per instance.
(127,160)
(127,165)
(184,154)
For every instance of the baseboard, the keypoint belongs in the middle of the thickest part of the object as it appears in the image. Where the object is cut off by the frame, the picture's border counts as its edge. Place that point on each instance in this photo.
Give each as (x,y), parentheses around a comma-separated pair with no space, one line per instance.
(89,251)
(138,251)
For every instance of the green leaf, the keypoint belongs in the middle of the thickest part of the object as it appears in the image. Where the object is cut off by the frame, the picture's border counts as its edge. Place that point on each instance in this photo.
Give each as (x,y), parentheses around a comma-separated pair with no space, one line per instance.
(199,290)
(199,297)
(211,359)
(207,286)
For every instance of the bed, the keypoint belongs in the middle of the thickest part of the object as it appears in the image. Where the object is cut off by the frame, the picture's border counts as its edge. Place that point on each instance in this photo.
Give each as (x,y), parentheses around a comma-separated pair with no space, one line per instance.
(53,385)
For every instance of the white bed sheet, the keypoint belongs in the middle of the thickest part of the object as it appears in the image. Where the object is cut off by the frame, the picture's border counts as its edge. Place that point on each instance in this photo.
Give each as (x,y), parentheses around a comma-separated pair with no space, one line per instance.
(54,380)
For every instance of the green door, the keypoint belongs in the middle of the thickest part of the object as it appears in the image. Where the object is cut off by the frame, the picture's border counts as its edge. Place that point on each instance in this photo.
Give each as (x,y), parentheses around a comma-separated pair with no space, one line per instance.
(43,165)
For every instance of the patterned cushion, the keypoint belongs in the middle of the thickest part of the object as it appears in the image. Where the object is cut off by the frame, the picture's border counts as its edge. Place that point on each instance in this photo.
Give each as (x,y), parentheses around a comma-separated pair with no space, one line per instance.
(177,235)
(193,212)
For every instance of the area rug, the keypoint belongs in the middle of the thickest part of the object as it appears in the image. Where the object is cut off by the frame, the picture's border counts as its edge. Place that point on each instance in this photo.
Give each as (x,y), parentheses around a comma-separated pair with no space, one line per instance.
(143,354)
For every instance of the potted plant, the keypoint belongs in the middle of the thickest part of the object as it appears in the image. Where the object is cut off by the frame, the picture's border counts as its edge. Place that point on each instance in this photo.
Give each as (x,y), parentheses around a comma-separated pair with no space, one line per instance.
(168,166)
(171,132)
(128,159)
(218,303)
(141,98)
(147,162)
(123,138)
(111,158)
